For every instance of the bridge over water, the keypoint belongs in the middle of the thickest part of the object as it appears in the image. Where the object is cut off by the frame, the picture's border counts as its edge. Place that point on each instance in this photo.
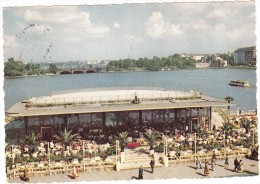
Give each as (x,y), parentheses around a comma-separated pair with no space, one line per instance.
(76,71)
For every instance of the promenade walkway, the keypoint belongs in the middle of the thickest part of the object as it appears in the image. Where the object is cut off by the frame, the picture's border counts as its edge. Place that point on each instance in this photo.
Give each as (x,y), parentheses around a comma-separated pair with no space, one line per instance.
(176,171)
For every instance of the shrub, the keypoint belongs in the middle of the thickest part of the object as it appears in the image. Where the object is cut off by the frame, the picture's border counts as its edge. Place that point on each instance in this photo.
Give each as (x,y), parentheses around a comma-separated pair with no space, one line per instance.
(103,155)
(111,151)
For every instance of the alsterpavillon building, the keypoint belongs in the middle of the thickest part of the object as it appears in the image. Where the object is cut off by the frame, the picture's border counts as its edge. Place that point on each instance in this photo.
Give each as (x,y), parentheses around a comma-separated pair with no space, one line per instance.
(103,110)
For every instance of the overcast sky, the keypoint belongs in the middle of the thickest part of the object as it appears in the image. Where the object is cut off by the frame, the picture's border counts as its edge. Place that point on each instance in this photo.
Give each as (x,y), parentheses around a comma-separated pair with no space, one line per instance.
(70,33)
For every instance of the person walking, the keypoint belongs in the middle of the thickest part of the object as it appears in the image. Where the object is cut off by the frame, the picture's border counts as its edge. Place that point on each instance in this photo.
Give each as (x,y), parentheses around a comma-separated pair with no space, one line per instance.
(152,163)
(206,170)
(226,162)
(74,173)
(26,174)
(198,163)
(140,173)
(77,171)
(240,167)
(236,164)
(212,163)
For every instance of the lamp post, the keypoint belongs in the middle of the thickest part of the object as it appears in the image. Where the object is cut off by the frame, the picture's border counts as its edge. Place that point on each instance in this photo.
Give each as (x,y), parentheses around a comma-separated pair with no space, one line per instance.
(49,156)
(13,155)
(224,143)
(254,137)
(83,152)
(195,146)
(117,147)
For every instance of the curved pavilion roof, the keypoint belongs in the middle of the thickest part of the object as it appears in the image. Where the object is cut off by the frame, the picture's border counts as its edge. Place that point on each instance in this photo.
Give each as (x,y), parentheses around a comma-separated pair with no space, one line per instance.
(110,100)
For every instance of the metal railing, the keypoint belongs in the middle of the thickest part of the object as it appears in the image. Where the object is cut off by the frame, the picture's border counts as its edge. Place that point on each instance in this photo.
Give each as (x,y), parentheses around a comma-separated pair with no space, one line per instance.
(163,96)
(105,89)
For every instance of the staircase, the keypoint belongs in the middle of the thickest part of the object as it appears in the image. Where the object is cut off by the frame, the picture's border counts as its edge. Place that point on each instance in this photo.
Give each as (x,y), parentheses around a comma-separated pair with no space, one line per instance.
(134,159)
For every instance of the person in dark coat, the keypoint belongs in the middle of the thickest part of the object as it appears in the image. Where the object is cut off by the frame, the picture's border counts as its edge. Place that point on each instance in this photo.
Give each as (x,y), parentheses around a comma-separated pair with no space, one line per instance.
(140,173)
(152,163)
(206,170)
(212,163)
(26,174)
(236,163)
(226,162)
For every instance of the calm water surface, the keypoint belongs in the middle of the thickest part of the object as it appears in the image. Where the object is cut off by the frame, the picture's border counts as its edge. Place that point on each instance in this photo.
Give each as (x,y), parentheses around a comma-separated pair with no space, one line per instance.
(212,82)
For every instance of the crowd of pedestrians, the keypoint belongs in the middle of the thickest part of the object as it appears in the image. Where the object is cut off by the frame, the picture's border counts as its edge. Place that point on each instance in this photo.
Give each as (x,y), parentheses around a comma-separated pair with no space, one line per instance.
(238,164)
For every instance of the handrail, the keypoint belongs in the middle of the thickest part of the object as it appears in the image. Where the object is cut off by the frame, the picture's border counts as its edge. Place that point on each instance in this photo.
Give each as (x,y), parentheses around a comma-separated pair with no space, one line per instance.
(98,99)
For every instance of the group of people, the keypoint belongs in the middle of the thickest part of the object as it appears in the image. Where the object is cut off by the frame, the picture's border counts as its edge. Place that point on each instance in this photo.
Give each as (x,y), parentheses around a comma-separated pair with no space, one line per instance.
(141,170)
(238,165)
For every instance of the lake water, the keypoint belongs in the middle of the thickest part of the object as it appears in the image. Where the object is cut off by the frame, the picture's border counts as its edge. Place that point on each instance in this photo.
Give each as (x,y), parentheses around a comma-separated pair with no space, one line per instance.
(211,82)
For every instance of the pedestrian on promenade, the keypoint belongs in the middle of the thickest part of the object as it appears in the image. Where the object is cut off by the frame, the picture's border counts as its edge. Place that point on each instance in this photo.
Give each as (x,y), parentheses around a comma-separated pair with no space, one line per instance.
(77,171)
(206,170)
(26,174)
(214,156)
(240,167)
(198,163)
(212,163)
(236,163)
(226,162)
(152,163)
(74,173)
(140,173)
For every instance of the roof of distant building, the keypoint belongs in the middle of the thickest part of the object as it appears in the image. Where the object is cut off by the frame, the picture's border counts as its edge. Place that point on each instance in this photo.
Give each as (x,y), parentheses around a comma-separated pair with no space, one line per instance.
(245,49)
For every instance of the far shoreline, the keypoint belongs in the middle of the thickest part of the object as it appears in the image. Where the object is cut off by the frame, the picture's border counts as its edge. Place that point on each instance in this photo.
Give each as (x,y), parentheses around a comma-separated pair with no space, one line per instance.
(137,70)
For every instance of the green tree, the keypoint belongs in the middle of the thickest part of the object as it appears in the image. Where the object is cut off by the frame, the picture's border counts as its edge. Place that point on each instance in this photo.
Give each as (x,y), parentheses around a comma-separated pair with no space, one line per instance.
(248,124)
(14,68)
(152,137)
(122,138)
(53,68)
(32,140)
(66,137)
(228,100)
(199,130)
(226,128)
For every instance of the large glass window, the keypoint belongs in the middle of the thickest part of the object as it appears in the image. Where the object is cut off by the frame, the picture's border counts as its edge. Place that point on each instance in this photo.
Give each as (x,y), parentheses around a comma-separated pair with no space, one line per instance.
(181,113)
(194,112)
(203,111)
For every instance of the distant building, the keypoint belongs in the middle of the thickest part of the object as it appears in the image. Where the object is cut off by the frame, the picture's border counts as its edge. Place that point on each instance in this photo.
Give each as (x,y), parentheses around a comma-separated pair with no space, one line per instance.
(197,57)
(218,62)
(245,55)
(202,65)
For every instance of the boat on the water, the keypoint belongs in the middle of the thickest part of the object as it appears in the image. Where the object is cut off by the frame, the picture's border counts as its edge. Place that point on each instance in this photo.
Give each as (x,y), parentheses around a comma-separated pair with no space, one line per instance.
(239,83)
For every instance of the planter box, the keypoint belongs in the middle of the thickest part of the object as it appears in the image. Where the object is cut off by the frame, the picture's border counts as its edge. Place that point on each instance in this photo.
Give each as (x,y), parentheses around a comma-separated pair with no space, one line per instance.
(133,145)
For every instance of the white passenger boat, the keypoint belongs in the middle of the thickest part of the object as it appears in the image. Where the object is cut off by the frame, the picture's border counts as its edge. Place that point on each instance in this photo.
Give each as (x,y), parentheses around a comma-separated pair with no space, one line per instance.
(239,83)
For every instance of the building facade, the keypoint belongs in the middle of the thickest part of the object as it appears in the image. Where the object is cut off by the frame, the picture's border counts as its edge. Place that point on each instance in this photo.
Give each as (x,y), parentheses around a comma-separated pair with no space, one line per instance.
(110,111)
(245,55)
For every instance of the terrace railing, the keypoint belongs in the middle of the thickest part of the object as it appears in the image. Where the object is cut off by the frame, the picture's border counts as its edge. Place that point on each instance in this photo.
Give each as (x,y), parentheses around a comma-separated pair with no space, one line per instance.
(163,96)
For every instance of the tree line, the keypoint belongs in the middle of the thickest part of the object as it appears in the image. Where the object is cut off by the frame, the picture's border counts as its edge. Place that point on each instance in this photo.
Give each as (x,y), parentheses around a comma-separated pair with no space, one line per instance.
(18,68)
(171,62)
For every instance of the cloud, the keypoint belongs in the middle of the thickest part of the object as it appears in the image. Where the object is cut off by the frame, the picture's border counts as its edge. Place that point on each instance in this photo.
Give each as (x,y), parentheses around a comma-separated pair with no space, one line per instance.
(73,20)
(158,27)
(10,41)
(218,13)
(116,25)
(200,25)
(133,39)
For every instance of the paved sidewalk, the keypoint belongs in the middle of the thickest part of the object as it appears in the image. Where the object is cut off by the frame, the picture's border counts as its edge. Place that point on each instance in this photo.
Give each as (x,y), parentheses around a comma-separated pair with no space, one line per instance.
(177,171)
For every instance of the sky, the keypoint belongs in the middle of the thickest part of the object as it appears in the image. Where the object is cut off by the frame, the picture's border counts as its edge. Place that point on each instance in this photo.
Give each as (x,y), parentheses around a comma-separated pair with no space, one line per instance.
(108,32)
